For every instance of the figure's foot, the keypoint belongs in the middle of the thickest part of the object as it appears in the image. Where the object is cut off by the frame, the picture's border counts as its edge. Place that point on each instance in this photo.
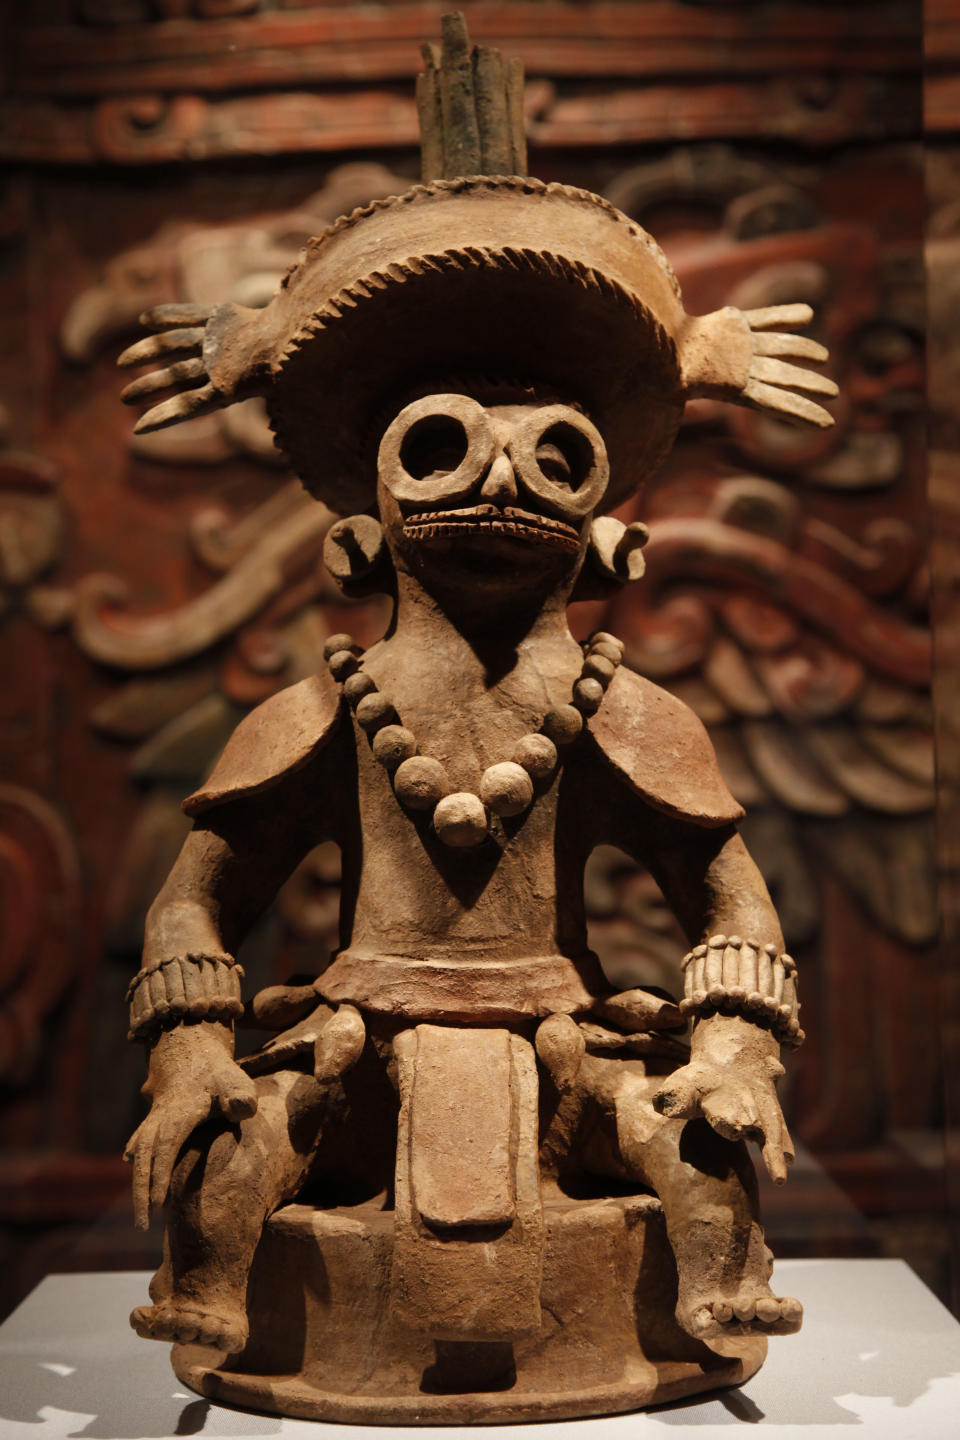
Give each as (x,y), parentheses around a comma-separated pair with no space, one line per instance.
(182,1325)
(750,1313)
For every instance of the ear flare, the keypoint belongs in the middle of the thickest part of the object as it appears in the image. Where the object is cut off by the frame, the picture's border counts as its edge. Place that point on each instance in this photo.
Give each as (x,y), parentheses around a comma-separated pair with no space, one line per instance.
(613,558)
(214,354)
(355,553)
(744,356)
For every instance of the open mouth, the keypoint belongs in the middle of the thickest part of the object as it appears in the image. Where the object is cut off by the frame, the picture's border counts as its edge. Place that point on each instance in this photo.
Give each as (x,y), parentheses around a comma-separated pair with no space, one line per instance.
(490,520)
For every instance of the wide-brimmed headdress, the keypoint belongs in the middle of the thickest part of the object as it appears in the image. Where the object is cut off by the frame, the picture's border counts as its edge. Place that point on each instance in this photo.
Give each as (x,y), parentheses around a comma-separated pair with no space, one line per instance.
(474,274)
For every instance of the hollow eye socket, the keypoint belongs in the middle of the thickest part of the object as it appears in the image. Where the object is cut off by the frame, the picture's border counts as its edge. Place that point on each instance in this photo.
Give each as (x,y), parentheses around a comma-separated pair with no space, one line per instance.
(554,464)
(433,447)
(565,456)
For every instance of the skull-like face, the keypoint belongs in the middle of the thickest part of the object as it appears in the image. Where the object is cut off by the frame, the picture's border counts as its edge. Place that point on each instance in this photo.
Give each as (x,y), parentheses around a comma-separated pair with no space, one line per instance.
(491,488)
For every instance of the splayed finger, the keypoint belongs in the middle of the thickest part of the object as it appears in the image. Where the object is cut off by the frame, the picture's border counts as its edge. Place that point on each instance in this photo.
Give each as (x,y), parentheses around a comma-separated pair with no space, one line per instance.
(180,407)
(184,374)
(168,342)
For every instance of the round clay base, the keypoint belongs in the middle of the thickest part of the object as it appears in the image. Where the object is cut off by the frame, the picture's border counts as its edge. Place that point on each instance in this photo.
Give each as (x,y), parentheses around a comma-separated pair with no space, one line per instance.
(294,1397)
(323,1345)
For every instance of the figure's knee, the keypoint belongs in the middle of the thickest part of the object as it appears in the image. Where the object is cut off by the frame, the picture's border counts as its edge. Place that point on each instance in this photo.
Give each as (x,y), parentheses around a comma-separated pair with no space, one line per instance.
(255,1158)
(724,1162)
(685,1162)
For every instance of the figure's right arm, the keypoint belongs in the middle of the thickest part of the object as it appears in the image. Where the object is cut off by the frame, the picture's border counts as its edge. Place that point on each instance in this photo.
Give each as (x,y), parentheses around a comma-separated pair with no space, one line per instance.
(185,998)
(273,795)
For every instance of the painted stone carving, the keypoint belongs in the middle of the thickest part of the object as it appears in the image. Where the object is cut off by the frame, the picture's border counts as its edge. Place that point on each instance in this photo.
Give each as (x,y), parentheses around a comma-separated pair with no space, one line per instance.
(465,1179)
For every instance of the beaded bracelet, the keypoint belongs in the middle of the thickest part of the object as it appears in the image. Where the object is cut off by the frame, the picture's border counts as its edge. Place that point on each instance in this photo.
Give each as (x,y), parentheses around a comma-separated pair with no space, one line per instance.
(739,977)
(185,987)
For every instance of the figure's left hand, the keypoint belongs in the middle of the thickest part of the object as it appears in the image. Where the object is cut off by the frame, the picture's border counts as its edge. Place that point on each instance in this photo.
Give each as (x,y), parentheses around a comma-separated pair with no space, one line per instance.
(740,1102)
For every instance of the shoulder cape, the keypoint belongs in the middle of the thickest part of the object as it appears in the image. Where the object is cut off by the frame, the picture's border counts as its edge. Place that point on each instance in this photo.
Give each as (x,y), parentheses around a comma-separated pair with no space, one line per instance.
(660,747)
(652,740)
(277,738)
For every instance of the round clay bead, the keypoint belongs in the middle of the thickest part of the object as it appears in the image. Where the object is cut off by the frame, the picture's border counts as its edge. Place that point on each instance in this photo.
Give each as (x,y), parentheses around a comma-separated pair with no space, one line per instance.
(374,711)
(393,744)
(506,789)
(608,650)
(538,756)
(335,643)
(460,820)
(587,695)
(420,783)
(356,686)
(342,663)
(562,725)
(603,637)
(598,667)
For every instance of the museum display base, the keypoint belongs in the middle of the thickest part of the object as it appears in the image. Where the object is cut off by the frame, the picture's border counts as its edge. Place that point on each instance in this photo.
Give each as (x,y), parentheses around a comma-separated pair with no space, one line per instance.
(335,1352)
(876,1350)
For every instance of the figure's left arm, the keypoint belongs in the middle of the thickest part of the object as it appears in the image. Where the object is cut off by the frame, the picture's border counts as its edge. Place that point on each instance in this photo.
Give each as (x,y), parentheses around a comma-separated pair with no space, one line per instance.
(740,989)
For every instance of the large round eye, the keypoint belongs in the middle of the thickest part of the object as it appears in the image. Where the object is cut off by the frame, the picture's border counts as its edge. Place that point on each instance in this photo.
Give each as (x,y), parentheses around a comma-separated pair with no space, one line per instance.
(434,446)
(436,450)
(560,457)
(565,456)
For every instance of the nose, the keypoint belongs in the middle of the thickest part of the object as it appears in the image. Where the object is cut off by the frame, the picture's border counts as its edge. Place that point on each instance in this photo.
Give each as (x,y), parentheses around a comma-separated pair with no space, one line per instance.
(500,483)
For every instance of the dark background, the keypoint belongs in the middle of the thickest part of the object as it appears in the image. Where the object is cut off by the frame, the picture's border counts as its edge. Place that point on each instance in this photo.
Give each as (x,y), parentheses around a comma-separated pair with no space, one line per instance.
(154,590)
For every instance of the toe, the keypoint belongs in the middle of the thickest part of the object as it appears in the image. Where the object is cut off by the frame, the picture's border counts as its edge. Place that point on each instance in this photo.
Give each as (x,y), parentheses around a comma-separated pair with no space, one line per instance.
(722,1311)
(152,1323)
(768,1309)
(701,1321)
(232,1339)
(209,1331)
(745,1309)
(222,1334)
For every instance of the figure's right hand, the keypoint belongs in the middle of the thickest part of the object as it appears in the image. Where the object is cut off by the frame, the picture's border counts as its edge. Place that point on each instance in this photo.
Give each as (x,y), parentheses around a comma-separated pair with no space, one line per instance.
(192,1078)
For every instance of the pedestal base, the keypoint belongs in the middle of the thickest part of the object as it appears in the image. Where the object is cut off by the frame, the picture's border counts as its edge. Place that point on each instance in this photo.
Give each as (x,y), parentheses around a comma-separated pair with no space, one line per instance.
(323,1344)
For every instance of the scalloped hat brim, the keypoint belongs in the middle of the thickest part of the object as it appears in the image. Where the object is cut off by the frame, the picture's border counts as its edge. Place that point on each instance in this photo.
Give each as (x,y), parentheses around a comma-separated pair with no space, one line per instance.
(489,277)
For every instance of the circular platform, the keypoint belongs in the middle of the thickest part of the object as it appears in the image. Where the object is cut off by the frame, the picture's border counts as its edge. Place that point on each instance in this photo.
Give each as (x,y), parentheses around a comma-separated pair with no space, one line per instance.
(332,1350)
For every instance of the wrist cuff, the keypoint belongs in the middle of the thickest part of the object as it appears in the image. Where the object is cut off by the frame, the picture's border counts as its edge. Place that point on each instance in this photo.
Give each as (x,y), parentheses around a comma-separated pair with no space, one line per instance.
(739,977)
(187,987)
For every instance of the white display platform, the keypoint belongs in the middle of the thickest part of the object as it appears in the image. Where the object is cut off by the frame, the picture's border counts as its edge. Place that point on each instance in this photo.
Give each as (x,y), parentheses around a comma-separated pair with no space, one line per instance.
(877,1350)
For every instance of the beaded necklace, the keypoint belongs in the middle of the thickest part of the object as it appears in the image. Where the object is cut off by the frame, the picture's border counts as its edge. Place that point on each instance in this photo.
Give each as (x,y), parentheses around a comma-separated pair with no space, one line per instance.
(461,818)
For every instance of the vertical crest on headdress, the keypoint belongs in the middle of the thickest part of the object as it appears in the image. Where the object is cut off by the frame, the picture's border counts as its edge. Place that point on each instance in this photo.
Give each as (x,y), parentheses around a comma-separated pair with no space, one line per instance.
(470,104)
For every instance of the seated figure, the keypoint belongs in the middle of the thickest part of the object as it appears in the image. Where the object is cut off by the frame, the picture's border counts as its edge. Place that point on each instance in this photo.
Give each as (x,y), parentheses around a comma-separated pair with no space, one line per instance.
(466,1180)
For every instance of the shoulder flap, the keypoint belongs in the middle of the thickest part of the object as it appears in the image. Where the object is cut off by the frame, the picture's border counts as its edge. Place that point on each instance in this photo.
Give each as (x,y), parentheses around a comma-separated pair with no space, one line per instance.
(662,750)
(273,740)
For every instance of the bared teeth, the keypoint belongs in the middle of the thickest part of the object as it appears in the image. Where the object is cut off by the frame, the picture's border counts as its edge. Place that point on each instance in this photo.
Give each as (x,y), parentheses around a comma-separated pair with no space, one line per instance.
(424,527)
(508,521)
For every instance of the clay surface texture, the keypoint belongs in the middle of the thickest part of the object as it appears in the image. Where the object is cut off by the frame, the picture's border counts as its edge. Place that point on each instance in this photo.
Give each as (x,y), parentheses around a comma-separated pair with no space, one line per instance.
(462,1179)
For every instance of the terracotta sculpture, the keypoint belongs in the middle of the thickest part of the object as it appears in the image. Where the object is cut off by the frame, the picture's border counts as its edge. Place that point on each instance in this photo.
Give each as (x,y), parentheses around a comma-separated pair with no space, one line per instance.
(466,1181)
